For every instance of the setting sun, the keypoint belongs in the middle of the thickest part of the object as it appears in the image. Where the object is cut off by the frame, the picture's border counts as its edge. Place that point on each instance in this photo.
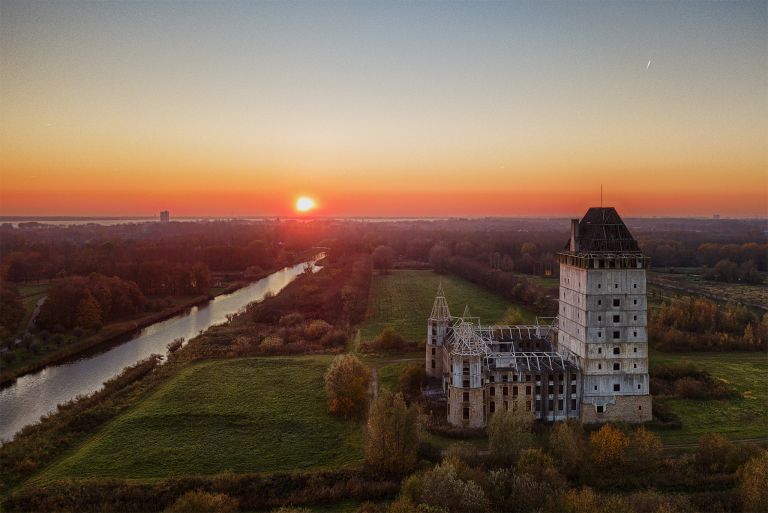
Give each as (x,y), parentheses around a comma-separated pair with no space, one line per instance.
(305,204)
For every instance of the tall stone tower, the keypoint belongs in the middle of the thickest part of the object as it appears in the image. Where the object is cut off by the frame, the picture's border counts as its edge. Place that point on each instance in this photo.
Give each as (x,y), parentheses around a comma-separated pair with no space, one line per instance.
(437,329)
(603,317)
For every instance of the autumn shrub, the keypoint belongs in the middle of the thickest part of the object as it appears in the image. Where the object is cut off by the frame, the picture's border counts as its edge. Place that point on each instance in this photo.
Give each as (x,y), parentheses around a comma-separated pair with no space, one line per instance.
(203,502)
(412,378)
(607,447)
(753,478)
(712,452)
(392,434)
(388,340)
(346,386)
(509,433)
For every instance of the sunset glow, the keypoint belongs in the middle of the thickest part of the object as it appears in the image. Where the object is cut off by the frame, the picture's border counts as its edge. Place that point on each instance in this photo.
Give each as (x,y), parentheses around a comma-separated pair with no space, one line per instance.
(388,109)
(304,204)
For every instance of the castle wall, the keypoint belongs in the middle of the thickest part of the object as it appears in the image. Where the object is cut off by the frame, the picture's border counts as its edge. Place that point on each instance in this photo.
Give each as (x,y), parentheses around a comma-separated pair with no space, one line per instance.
(628,408)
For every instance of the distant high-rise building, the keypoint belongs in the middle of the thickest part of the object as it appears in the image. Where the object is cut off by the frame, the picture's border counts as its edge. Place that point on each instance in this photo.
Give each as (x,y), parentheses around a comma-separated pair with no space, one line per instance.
(165,216)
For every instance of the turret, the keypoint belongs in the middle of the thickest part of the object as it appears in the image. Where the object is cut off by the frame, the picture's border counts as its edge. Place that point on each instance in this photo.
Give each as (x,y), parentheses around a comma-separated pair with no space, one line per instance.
(437,328)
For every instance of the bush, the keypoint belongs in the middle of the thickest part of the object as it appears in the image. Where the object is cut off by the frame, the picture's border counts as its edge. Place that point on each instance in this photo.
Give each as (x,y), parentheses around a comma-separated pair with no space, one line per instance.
(412,379)
(202,502)
(346,385)
(388,340)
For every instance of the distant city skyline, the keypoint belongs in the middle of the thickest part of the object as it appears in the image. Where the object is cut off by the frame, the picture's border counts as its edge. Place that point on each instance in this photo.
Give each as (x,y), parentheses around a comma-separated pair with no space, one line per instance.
(383,109)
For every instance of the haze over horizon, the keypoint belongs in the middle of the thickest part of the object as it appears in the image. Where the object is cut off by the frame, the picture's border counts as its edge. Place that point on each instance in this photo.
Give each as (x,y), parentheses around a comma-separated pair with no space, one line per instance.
(383,109)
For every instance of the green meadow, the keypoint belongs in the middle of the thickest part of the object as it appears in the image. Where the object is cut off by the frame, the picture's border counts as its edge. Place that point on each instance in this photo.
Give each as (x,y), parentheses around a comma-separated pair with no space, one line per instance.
(240,415)
(743,418)
(403,300)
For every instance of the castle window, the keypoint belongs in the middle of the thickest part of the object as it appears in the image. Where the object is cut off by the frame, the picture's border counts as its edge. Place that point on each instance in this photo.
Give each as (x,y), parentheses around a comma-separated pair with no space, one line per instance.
(599,318)
(599,286)
(492,378)
(599,302)
(504,378)
(617,302)
(616,350)
(616,334)
(514,391)
(505,391)
(551,389)
(635,350)
(599,335)
(573,404)
(573,389)
(538,405)
(615,285)
(560,389)
(538,377)
(433,364)
(599,366)
(616,387)
(433,350)
(634,333)
(559,377)
(634,285)
(615,318)
(634,365)
(638,386)
(600,409)
(527,377)
(595,388)
(634,301)
(465,413)
(560,405)
(634,317)
(538,390)
(493,391)
(492,406)
(465,397)
(599,349)
(616,366)
(528,390)
(465,383)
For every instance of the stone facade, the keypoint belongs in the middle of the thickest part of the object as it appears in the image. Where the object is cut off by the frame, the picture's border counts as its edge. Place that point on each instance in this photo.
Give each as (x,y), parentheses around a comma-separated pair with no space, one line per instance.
(592,363)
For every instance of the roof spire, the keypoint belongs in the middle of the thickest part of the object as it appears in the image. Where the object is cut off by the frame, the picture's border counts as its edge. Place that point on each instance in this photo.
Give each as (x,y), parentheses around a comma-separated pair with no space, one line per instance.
(440,309)
(467,314)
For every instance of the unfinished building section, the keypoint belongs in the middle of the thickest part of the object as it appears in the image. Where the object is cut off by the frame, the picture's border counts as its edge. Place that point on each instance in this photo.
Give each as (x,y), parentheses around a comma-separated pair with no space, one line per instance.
(590,362)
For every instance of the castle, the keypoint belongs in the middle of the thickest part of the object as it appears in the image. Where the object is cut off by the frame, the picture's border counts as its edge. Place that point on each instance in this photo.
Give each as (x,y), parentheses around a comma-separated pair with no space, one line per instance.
(588,363)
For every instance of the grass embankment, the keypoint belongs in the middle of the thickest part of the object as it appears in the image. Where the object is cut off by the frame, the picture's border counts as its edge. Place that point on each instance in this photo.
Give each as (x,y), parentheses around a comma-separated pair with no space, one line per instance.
(243,415)
(743,418)
(403,300)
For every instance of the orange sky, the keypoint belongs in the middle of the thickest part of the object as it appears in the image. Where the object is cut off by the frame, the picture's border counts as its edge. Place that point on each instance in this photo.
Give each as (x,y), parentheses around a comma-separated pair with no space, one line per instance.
(383,110)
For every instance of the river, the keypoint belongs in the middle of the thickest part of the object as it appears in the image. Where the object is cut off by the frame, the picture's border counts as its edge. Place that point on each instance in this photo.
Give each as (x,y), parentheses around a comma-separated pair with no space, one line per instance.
(39,393)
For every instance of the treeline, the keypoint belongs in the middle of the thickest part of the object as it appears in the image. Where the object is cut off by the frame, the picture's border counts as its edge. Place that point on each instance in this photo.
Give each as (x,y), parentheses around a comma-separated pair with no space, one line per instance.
(731,272)
(687,250)
(89,302)
(162,260)
(511,286)
(698,324)
(11,310)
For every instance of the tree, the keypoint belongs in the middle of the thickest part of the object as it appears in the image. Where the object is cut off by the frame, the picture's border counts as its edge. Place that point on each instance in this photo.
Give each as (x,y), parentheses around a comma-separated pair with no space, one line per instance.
(88,313)
(608,446)
(11,311)
(383,257)
(203,502)
(393,434)
(412,379)
(439,256)
(509,432)
(753,477)
(346,386)
(442,488)
(713,451)
(646,451)
(566,446)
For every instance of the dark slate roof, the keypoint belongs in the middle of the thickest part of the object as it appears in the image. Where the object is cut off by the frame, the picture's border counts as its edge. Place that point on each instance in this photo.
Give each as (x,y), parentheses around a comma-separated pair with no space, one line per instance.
(602,230)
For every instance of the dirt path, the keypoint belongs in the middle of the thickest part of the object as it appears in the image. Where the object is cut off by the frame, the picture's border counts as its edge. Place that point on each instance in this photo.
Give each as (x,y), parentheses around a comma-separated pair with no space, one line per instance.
(373,386)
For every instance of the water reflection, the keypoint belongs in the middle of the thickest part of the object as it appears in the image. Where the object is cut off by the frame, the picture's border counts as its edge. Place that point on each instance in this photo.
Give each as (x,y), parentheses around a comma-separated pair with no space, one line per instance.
(35,395)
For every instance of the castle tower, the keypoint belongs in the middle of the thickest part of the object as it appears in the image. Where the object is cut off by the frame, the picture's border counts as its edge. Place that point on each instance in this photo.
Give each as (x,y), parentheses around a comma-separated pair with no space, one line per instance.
(603,317)
(437,328)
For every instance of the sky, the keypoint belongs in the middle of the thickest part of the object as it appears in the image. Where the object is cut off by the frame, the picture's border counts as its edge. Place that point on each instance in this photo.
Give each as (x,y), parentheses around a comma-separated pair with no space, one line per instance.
(383,109)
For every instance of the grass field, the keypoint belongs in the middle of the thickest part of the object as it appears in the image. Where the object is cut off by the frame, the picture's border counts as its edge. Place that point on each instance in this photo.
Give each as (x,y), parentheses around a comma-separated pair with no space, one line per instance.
(742,418)
(243,415)
(403,300)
